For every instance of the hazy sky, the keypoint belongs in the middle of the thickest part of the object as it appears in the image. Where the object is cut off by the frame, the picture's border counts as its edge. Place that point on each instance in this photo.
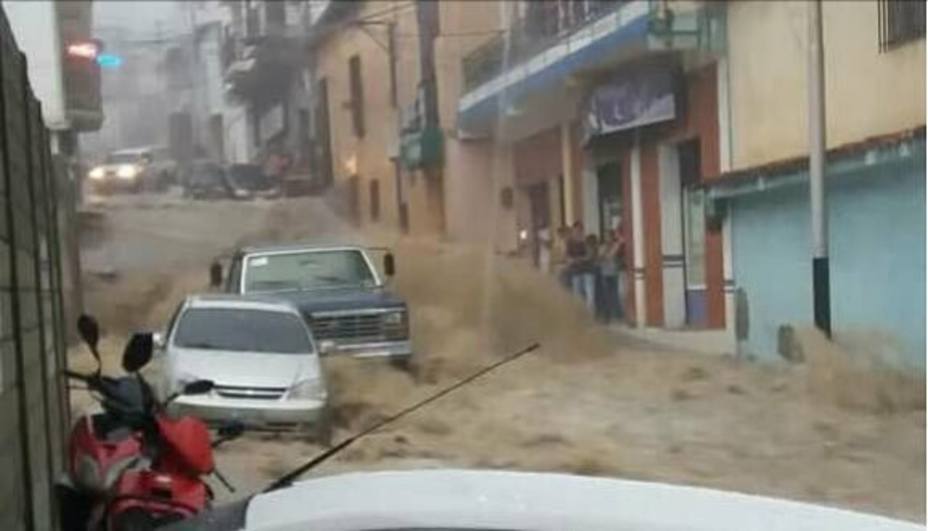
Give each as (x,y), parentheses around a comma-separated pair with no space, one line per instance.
(138,17)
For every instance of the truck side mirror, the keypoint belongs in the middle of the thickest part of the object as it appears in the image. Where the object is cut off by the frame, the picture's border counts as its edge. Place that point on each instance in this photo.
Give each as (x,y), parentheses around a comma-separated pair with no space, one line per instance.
(389,265)
(215,274)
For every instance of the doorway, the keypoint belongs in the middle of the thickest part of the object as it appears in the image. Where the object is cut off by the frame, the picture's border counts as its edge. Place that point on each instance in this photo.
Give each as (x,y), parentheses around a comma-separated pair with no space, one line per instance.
(609,196)
(693,211)
(540,222)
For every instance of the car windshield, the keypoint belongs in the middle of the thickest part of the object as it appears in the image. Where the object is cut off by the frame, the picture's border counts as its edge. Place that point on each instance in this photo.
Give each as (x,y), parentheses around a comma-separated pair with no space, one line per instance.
(307,271)
(242,330)
(122,158)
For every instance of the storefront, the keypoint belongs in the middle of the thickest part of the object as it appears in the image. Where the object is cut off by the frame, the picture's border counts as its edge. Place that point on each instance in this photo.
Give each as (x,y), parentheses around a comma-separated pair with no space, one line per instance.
(651,133)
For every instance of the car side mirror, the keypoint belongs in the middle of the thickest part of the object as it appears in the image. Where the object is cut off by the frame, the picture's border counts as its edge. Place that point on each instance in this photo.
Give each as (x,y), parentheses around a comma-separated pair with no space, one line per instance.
(215,274)
(389,265)
(198,387)
(328,347)
(138,352)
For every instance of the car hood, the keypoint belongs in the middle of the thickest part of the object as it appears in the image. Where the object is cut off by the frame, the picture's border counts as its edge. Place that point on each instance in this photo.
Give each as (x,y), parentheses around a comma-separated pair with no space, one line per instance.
(246,369)
(115,166)
(341,299)
(480,499)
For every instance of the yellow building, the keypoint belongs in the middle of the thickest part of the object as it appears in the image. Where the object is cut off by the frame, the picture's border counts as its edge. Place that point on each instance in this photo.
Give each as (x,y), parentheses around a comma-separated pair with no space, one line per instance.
(387,77)
(869,91)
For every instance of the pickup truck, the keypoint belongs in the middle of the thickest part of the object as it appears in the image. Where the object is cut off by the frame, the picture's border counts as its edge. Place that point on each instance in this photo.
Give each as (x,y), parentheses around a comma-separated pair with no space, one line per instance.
(337,290)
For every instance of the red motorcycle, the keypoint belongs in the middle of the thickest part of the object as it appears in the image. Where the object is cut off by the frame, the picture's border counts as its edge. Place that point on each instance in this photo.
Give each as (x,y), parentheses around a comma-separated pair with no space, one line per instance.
(131,467)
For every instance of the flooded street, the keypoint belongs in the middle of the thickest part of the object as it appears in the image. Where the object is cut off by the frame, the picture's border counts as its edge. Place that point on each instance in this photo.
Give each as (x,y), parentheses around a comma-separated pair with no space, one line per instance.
(590,401)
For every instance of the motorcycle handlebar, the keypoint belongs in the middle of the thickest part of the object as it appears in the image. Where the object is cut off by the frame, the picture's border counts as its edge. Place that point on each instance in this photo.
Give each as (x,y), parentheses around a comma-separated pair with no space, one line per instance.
(76,375)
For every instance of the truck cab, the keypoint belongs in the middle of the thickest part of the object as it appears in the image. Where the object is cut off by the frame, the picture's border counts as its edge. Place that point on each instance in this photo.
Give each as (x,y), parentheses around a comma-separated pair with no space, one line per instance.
(338,291)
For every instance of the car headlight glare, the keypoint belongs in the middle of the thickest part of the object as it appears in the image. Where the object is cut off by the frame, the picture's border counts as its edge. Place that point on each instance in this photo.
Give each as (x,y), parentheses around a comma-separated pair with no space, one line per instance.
(314,388)
(97,173)
(127,171)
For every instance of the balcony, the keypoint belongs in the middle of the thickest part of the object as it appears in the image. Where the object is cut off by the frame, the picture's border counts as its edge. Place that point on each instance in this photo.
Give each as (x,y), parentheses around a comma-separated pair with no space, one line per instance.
(529,36)
(262,54)
(530,74)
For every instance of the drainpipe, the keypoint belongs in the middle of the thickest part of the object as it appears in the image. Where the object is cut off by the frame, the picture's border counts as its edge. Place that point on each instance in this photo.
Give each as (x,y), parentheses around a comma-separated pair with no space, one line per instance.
(820,281)
(567,170)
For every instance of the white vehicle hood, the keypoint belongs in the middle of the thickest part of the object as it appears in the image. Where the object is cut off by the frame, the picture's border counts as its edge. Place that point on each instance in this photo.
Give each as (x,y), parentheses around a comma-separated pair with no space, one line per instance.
(472,499)
(247,369)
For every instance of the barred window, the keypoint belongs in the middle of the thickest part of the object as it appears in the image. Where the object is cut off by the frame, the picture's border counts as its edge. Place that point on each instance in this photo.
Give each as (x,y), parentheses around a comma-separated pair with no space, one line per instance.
(900,21)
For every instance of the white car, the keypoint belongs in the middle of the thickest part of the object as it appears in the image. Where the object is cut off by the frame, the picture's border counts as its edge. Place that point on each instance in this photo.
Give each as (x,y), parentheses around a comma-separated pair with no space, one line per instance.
(259,353)
(497,500)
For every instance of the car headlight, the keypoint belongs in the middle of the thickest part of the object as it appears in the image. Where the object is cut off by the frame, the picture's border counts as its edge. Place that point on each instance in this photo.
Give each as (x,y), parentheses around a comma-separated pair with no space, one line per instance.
(314,388)
(97,173)
(396,325)
(395,318)
(127,171)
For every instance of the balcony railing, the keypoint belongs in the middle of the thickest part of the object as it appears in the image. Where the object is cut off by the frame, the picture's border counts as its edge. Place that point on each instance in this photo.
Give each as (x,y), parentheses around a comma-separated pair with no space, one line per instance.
(544,25)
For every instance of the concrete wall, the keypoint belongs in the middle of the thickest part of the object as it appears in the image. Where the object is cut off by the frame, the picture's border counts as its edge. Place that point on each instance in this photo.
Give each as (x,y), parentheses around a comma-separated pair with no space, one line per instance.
(877,247)
(35,27)
(768,62)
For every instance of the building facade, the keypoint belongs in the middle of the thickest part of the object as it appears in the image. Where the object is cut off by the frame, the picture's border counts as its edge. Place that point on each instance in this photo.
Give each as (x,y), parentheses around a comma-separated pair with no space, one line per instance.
(606,113)
(683,125)
(874,57)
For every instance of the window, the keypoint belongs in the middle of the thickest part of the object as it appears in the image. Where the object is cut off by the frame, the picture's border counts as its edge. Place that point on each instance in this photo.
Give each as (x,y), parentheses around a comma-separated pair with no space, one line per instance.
(242,330)
(357,95)
(275,16)
(375,199)
(307,271)
(900,21)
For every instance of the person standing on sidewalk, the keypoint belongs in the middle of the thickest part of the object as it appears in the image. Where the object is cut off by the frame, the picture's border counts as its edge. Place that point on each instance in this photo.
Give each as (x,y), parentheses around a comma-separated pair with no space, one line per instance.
(580,266)
(609,278)
(620,249)
(559,256)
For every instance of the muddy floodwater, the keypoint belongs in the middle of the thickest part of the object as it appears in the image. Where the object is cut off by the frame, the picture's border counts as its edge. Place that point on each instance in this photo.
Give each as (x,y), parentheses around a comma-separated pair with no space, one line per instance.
(590,401)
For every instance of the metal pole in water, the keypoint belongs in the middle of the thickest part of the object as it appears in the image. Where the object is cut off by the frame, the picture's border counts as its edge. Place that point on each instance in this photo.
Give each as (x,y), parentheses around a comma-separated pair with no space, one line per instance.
(821,290)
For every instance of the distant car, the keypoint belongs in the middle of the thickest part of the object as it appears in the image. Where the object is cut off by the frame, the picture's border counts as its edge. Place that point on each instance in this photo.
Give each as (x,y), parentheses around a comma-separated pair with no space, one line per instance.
(259,353)
(249,180)
(208,180)
(133,170)
(338,291)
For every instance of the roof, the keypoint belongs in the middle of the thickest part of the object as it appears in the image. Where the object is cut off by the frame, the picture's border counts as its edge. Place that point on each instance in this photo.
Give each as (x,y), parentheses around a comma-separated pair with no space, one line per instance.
(240,302)
(792,164)
(292,247)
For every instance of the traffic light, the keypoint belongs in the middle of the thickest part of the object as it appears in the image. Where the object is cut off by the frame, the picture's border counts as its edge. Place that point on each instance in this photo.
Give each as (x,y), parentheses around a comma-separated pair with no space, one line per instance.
(81,76)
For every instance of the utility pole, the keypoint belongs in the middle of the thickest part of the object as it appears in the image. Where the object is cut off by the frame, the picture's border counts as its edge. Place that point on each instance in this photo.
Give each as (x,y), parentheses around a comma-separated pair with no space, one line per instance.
(821,290)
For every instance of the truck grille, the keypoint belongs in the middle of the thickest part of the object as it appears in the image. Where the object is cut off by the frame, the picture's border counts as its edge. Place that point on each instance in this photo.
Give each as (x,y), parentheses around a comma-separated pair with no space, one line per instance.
(355,328)
(235,391)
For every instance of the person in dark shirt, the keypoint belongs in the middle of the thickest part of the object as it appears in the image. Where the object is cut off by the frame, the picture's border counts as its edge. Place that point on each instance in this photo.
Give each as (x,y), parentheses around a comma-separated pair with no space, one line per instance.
(580,259)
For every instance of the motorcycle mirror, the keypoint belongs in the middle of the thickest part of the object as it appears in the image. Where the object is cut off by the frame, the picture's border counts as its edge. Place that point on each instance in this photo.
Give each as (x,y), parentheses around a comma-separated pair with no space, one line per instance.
(138,352)
(198,387)
(230,430)
(89,330)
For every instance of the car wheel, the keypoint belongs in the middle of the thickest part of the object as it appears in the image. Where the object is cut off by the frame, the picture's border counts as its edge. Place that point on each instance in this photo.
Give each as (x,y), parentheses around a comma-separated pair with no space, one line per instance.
(402,363)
